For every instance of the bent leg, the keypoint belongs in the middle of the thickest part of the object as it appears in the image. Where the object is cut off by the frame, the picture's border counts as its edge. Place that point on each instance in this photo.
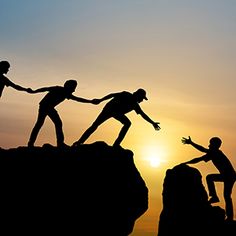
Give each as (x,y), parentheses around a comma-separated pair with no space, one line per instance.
(126,124)
(100,119)
(211,186)
(58,126)
(39,123)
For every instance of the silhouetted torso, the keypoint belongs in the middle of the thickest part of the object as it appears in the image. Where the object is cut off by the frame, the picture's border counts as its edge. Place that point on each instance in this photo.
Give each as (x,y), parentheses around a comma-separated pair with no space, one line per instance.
(55,96)
(122,103)
(221,162)
(4,81)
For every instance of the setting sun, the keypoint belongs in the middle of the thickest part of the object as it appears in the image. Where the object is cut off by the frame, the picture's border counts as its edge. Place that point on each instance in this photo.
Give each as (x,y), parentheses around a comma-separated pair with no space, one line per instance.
(154,161)
(155,156)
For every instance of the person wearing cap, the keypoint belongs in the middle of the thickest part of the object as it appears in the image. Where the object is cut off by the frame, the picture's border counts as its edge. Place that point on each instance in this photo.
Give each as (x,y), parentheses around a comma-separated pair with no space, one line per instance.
(55,95)
(4,81)
(120,104)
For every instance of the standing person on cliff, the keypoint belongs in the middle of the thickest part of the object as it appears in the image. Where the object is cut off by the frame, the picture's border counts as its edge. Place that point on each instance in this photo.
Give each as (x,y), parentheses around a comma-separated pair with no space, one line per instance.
(55,96)
(120,104)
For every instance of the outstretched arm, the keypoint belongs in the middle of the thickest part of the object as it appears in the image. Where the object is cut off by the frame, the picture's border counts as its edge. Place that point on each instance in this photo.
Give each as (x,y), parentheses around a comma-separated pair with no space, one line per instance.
(20,88)
(84,100)
(93,101)
(40,90)
(148,119)
(194,160)
(195,145)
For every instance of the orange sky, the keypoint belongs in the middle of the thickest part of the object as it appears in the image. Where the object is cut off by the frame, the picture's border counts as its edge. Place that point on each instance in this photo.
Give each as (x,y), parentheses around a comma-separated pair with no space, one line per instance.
(181,52)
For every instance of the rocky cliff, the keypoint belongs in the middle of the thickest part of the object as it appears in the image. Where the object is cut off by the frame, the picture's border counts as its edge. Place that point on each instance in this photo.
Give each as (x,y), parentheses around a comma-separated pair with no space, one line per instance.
(94,189)
(186,210)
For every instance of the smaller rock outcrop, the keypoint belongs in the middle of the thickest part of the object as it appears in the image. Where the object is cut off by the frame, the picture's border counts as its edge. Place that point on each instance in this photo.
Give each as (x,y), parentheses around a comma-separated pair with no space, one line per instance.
(186,210)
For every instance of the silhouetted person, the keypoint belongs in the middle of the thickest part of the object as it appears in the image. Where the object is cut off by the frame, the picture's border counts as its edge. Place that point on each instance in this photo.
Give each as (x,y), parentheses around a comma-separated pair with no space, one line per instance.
(4,81)
(55,96)
(227,173)
(121,103)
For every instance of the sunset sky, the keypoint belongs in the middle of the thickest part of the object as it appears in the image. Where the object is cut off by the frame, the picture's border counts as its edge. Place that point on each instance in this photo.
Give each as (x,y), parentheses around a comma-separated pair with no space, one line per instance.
(182,52)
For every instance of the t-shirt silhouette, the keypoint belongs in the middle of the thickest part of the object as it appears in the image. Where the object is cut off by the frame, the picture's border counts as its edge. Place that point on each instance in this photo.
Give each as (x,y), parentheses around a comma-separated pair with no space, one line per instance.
(4,81)
(56,95)
(122,103)
(221,162)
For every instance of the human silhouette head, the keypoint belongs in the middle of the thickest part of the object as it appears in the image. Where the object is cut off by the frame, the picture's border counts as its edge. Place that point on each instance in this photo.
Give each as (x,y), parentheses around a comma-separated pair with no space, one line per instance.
(215,143)
(140,94)
(4,67)
(70,85)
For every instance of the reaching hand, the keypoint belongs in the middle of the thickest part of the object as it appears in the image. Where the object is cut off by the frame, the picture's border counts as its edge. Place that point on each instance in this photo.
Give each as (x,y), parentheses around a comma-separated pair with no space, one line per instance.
(156,126)
(95,101)
(186,140)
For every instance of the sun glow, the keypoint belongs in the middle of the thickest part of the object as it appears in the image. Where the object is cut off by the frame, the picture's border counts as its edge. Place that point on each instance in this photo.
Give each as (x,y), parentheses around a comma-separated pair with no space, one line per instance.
(155,156)
(154,161)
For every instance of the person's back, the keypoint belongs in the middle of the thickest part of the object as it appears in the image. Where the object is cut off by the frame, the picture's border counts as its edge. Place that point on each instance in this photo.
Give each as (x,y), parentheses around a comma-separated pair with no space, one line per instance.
(56,95)
(221,162)
(4,81)
(122,103)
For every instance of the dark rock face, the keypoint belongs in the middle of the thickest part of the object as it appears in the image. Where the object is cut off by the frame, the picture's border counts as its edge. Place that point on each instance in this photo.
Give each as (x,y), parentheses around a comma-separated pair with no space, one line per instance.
(91,190)
(186,210)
